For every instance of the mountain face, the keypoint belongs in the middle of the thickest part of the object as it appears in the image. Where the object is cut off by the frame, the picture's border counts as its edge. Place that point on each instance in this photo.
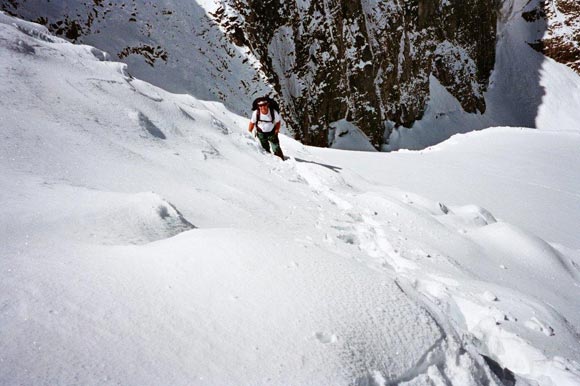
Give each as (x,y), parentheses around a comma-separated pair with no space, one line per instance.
(561,22)
(368,61)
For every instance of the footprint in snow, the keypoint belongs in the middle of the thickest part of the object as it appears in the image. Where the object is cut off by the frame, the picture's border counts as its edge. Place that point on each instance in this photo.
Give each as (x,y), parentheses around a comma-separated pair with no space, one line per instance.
(326,338)
(219,125)
(537,325)
(293,265)
(348,238)
(489,297)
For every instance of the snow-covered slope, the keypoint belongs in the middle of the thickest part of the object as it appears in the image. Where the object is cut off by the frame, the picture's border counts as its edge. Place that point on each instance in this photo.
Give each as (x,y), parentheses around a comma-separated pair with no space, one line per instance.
(493,168)
(147,239)
(173,44)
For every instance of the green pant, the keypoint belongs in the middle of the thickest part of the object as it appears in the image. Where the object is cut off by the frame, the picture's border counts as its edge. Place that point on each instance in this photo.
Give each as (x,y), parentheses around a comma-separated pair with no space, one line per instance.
(271,138)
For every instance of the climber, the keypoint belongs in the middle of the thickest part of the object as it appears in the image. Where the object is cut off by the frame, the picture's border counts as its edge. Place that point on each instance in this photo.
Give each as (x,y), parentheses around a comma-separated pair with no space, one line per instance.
(267,121)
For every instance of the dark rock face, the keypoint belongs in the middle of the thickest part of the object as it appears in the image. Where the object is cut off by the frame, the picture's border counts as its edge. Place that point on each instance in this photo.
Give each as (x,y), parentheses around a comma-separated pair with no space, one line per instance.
(368,61)
(561,41)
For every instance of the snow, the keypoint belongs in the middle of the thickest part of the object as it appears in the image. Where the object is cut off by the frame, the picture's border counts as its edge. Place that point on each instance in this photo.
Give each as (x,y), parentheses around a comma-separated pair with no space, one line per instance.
(148,239)
(494,168)
(346,136)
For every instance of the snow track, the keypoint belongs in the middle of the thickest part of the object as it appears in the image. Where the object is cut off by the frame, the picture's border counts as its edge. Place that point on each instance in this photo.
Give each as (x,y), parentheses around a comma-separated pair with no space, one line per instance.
(366,242)
(386,231)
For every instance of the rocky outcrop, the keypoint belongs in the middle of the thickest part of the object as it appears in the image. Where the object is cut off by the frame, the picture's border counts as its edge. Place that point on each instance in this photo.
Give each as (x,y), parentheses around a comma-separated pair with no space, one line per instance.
(561,21)
(368,61)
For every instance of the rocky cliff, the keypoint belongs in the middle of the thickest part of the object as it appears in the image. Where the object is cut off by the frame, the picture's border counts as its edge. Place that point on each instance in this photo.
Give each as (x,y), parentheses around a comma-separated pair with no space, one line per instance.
(368,61)
(561,22)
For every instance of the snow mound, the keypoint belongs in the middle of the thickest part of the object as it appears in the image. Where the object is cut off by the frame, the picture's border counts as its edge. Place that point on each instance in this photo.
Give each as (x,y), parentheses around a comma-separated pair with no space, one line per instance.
(346,136)
(115,219)
(529,252)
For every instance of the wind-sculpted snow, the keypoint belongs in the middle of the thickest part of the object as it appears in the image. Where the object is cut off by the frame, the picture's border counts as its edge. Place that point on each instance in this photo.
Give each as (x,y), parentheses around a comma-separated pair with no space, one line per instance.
(200,259)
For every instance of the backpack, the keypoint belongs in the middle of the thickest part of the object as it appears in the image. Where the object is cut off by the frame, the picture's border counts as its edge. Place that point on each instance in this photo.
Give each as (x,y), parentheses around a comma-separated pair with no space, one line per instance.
(272,105)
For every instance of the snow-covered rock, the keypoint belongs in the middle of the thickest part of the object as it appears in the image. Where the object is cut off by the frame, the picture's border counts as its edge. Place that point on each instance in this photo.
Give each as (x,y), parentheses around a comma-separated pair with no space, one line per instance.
(560,22)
